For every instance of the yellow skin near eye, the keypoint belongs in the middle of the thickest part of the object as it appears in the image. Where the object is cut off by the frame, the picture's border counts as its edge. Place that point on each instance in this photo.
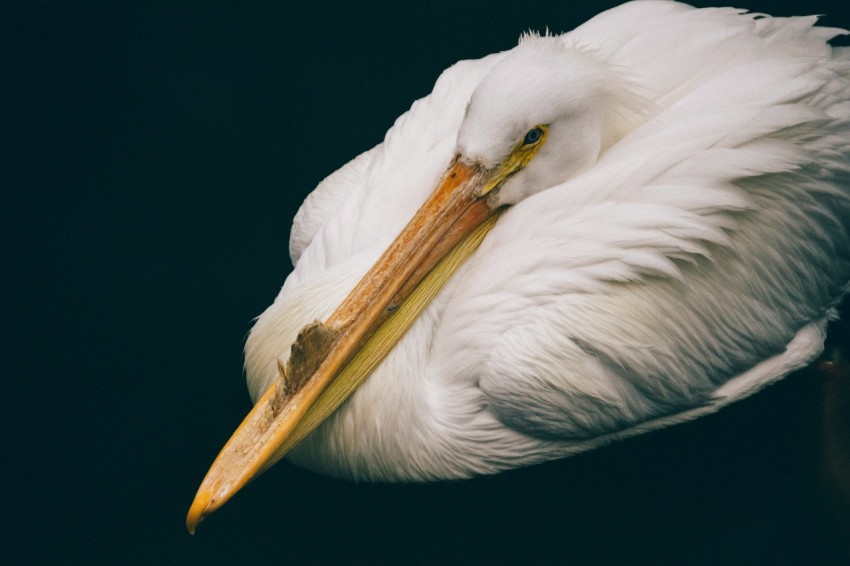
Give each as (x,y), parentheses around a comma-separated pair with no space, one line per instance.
(519,158)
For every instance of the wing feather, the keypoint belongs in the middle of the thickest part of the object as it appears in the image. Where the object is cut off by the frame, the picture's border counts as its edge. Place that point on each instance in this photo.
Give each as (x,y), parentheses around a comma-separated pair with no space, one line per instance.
(665,280)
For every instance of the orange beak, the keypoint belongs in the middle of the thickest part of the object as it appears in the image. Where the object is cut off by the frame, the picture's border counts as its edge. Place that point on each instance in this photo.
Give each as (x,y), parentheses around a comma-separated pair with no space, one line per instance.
(456,208)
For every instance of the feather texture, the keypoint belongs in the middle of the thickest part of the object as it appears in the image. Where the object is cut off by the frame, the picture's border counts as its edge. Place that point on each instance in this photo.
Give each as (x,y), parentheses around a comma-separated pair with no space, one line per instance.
(693,256)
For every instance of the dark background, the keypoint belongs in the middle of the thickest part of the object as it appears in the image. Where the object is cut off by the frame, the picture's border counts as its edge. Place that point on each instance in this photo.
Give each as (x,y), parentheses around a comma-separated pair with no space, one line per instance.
(153,155)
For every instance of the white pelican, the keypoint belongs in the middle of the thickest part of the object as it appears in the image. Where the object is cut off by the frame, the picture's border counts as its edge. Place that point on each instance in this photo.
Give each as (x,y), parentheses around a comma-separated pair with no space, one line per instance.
(672,188)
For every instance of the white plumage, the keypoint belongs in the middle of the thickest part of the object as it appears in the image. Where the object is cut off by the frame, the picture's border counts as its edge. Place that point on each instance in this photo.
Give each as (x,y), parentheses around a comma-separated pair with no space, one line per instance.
(679,242)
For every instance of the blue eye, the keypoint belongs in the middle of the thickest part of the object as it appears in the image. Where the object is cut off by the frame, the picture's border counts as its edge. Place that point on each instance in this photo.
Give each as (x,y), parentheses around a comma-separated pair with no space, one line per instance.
(533,136)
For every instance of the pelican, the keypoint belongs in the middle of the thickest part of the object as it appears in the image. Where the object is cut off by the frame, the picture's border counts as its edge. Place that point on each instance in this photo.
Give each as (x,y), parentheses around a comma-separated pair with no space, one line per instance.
(584,238)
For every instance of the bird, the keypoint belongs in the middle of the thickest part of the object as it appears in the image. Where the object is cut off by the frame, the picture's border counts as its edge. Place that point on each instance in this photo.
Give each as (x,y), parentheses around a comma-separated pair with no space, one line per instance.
(586,237)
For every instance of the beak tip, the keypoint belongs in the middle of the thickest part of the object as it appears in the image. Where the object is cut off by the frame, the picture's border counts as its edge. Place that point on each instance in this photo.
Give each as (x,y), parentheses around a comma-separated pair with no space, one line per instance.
(201,507)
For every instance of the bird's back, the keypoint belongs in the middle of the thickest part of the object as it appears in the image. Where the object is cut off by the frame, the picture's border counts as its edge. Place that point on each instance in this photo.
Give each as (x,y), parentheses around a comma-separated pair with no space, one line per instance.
(697,247)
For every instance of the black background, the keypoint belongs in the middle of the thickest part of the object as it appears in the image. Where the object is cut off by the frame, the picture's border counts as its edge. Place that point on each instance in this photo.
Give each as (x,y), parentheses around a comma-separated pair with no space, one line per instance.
(153,157)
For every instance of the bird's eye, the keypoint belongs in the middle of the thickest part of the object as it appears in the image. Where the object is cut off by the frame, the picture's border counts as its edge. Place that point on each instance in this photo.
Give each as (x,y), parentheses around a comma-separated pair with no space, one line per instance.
(533,136)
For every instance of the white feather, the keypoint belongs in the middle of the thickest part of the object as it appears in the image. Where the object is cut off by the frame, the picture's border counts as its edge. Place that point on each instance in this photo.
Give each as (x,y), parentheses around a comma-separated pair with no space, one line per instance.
(688,254)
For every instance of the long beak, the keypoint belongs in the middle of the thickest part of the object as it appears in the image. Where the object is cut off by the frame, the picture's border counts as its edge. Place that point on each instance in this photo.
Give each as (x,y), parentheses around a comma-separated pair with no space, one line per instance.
(324,353)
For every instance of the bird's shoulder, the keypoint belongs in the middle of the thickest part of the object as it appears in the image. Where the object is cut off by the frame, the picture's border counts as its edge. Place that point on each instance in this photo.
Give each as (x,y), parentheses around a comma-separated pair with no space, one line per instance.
(379,181)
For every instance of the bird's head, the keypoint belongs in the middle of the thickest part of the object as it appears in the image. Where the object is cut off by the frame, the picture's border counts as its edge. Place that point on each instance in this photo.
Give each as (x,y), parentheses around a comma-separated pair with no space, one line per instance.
(543,114)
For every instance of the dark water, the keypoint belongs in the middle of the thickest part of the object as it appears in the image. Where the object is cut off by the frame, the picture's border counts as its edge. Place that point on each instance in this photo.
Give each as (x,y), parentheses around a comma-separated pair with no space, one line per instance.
(154,156)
